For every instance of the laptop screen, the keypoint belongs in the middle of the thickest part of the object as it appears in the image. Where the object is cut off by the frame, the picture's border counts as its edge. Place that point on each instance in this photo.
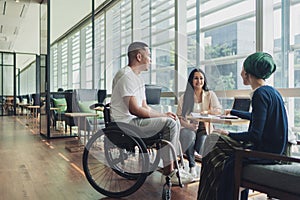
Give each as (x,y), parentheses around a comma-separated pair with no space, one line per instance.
(242,104)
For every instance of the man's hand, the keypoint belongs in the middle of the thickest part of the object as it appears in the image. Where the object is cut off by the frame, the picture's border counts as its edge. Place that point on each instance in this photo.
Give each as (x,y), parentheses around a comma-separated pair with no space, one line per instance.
(194,125)
(171,115)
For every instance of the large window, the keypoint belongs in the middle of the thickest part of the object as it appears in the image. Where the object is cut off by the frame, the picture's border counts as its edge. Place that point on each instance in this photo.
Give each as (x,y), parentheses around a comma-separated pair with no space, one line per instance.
(54,65)
(227,35)
(119,35)
(75,60)
(295,61)
(64,64)
(157,23)
(192,32)
(295,41)
(213,35)
(99,74)
(118,32)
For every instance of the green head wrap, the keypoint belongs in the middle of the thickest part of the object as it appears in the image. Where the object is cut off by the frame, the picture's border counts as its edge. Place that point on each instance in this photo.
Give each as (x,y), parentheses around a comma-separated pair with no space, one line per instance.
(260,64)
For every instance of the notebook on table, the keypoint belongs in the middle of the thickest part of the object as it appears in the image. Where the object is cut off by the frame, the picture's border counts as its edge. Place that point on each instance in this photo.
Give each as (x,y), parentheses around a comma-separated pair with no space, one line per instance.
(228,117)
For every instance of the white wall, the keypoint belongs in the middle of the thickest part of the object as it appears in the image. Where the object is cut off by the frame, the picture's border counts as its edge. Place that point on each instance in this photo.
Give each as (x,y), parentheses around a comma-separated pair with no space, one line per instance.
(65,14)
(29,33)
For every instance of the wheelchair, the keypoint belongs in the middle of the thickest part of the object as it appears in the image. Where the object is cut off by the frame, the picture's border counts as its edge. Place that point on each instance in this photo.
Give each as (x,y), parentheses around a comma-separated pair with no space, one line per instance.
(116,161)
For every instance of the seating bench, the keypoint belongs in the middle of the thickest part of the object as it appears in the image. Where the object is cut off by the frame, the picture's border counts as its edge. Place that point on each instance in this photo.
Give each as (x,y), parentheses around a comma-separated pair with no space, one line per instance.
(276,180)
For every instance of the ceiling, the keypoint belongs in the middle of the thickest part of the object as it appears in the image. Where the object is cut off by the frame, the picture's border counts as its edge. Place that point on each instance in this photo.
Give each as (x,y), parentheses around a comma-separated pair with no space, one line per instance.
(13,15)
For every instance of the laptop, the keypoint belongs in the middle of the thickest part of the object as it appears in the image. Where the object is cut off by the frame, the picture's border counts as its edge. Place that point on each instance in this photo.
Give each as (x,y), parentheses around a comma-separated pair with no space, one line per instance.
(239,103)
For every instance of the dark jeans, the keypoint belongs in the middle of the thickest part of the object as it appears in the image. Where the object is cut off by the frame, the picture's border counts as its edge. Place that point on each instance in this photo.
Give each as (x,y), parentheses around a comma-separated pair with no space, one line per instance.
(192,141)
(226,189)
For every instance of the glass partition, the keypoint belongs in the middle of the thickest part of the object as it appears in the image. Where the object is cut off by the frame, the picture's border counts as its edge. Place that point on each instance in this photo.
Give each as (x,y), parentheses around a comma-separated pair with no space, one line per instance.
(43,96)
(70,68)
(7,100)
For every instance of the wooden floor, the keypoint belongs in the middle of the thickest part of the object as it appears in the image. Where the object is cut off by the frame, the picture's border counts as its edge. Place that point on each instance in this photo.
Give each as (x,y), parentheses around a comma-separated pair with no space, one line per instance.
(33,168)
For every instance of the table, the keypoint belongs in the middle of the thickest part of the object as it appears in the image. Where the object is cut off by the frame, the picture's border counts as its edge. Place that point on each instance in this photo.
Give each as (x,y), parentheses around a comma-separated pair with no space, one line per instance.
(33,114)
(74,146)
(84,116)
(218,120)
(22,106)
(9,105)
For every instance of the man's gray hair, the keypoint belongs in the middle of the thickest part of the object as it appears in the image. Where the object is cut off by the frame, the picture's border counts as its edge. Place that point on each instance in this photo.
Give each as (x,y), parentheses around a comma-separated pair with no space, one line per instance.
(134,48)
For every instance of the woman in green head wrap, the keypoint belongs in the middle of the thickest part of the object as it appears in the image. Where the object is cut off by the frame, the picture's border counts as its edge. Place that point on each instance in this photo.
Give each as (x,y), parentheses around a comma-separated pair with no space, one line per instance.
(260,64)
(267,131)
(256,68)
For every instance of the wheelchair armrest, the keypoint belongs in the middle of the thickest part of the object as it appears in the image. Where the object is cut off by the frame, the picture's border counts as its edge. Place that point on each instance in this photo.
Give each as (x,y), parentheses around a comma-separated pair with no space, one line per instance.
(96,105)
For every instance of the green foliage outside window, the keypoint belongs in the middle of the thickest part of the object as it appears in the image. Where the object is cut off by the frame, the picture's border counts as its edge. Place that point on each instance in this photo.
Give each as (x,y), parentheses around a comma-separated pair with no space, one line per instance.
(220,50)
(297,119)
(223,82)
(297,113)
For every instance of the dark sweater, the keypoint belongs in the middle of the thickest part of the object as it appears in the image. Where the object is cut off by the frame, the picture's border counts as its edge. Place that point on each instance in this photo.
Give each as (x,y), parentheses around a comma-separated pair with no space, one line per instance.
(268,128)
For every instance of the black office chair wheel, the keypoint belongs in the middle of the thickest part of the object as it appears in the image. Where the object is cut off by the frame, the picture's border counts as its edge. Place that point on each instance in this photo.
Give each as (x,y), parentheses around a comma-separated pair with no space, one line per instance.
(115,162)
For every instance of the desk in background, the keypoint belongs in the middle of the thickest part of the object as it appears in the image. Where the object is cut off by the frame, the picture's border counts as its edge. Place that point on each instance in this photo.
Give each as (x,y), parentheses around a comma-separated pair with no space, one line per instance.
(33,115)
(74,146)
(22,107)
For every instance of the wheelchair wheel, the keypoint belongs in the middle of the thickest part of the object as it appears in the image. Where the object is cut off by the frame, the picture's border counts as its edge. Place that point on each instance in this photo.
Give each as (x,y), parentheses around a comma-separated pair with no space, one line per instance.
(115,164)
(152,144)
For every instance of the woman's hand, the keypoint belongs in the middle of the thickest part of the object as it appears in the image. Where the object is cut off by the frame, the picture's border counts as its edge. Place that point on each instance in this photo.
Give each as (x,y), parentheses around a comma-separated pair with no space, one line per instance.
(215,111)
(221,131)
(227,111)
(205,113)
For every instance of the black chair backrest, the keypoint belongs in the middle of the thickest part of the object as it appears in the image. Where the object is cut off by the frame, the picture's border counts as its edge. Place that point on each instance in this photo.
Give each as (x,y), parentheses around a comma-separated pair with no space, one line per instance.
(153,93)
(101,95)
(70,98)
(20,98)
(36,99)
(29,98)
(2,99)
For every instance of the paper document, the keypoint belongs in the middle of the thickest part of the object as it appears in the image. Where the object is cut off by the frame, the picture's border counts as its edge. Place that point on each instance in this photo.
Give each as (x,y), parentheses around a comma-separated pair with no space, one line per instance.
(199,115)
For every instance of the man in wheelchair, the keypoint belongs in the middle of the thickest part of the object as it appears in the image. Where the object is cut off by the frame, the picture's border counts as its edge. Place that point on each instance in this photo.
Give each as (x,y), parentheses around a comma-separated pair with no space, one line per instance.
(128,105)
